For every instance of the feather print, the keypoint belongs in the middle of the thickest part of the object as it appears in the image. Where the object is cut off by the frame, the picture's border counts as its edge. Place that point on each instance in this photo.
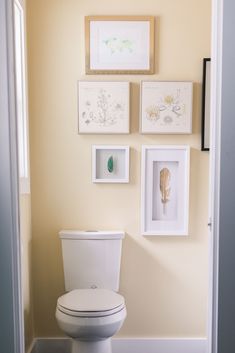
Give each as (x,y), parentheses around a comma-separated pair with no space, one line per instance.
(165,189)
(110,164)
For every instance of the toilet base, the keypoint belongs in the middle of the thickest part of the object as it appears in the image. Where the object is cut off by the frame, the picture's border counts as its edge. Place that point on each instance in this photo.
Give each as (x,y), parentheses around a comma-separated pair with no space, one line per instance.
(103,346)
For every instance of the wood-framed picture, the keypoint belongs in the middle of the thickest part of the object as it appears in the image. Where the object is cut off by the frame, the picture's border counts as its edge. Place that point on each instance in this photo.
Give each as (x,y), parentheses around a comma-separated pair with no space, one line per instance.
(110,164)
(166,107)
(165,190)
(119,44)
(206,94)
(103,107)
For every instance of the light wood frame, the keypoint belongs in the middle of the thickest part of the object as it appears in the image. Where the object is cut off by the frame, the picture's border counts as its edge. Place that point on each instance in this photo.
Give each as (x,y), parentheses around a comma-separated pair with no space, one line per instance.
(148,70)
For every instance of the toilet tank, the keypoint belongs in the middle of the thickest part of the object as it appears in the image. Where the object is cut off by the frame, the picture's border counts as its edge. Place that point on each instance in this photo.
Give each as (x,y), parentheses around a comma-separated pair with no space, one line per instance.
(91,259)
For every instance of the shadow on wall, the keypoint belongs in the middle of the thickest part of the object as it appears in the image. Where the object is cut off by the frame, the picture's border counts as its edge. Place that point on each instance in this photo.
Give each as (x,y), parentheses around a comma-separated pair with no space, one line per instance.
(49,285)
(153,290)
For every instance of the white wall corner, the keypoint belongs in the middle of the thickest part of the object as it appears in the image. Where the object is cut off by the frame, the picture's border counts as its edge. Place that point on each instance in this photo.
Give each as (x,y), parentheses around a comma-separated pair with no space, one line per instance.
(31,346)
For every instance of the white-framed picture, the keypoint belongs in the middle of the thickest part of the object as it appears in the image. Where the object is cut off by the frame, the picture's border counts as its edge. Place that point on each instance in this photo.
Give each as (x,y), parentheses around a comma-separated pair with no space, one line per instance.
(103,107)
(119,44)
(166,107)
(110,164)
(165,190)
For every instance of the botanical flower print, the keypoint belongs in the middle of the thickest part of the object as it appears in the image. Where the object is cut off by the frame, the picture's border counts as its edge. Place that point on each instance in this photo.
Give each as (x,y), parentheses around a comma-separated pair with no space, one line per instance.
(153,112)
(105,112)
(168,108)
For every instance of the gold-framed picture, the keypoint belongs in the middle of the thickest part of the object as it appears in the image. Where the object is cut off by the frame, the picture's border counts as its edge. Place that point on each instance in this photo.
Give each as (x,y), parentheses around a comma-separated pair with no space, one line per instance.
(119,44)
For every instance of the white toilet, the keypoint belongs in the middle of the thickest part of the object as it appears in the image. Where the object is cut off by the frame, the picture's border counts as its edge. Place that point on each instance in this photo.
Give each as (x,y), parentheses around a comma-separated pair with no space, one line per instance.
(91,311)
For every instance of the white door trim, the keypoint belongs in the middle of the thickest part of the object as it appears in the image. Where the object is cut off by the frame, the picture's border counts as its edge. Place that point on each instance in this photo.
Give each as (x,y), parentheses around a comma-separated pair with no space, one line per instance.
(6,20)
(214,192)
(13,341)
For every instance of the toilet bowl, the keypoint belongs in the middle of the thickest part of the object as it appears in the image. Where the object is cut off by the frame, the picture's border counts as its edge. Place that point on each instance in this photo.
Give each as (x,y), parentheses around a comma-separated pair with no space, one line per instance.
(91,317)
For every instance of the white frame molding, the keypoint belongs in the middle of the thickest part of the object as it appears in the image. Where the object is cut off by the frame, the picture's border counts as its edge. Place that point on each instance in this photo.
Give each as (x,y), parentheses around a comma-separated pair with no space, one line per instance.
(11,295)
(215,161)
(146,180)
(96,149)
(23,137)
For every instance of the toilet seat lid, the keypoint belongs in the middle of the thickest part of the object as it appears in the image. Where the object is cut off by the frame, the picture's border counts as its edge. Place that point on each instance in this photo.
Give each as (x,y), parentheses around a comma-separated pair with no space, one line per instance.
(91,300)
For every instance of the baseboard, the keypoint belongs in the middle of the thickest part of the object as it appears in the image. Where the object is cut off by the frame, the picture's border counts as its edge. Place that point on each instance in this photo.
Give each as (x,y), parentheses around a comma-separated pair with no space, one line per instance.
(128,345)
(157,345)
(30,348)
(51,345)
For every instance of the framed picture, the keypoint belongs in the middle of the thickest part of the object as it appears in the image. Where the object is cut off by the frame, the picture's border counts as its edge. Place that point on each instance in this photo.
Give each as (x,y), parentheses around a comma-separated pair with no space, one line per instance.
(165,190)
(119,44)
(206,94)
(166,107)
(103,107)
(110,164)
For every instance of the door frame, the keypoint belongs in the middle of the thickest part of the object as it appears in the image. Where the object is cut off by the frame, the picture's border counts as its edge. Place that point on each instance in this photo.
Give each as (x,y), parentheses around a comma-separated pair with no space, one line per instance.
(215,165)
(11,304)
(9,225)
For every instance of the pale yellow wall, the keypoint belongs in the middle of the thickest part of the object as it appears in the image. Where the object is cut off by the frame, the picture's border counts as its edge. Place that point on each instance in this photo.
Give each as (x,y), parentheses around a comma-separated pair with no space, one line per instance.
(164,280)
(26,260)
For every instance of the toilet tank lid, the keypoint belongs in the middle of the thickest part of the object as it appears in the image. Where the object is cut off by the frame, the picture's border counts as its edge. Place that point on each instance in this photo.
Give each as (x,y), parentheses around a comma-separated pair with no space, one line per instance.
(95,235)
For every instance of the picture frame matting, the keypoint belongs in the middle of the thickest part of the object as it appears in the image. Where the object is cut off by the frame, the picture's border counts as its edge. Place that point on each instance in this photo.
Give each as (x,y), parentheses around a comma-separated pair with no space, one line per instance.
(165,190)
